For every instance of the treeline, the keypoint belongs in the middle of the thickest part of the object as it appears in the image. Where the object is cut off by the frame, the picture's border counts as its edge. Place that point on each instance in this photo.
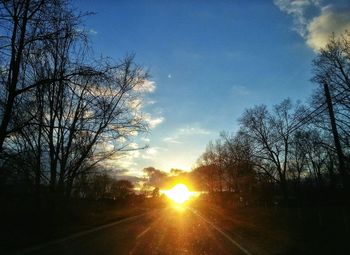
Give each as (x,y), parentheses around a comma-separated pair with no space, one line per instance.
(158,179)
(292,154)
(62,111)
(102,186)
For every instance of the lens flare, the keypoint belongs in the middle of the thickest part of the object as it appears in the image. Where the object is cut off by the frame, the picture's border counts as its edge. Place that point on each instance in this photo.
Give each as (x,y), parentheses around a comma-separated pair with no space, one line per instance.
(179,193)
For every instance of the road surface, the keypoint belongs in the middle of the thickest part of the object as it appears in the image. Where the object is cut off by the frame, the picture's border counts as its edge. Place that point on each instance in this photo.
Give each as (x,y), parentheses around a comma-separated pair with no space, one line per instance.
(166,231)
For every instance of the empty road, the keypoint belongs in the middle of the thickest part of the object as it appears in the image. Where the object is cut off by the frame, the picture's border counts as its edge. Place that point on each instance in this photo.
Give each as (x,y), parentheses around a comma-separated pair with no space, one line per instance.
(166,231)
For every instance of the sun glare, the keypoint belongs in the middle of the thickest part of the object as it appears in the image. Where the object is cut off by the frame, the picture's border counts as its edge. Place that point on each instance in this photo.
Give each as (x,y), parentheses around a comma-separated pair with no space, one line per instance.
(179,193)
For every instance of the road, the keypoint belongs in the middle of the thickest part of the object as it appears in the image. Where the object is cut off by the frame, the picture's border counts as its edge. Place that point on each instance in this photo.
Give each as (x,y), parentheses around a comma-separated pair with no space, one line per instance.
(166,231)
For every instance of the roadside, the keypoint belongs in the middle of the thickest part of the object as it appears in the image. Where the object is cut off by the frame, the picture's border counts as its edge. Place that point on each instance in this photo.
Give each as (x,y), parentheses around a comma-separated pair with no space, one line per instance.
(282,231)
(23,229)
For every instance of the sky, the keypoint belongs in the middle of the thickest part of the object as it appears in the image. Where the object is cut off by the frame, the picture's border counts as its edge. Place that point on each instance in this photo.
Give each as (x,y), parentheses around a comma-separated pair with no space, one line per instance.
(209,60)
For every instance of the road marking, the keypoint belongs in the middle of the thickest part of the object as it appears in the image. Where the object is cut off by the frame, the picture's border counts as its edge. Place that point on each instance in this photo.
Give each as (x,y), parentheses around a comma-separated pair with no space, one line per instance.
(76,235)
(143,232)
(221,232)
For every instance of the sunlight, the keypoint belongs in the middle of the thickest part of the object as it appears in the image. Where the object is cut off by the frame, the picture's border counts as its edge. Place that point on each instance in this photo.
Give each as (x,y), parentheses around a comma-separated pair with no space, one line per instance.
(179,193)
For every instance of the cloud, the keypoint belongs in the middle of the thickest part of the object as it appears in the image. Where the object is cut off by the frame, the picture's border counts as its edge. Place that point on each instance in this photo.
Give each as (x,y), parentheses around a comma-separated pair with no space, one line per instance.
(240,90)
(93,31)
(153,121)
(181,133)
(145,139)
(151,153)
(125,160)
(316,29)
(331,20)
(133,146)
(194,131)
(146,86)
(135,104)
(297,9)
(171,140)
(150,102)
(138,103)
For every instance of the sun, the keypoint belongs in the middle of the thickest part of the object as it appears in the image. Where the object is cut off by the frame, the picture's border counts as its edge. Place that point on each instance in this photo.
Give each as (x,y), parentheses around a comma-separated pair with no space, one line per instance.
(179,193)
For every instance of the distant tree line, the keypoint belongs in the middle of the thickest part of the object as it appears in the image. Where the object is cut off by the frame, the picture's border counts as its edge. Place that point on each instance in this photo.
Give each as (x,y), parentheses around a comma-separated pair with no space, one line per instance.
(292,153)
(102,186)
(155,178)
(62,111)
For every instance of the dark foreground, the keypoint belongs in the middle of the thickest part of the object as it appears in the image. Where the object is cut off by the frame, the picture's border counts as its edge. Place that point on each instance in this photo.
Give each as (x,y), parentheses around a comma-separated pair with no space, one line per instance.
(163,231)
(202,228)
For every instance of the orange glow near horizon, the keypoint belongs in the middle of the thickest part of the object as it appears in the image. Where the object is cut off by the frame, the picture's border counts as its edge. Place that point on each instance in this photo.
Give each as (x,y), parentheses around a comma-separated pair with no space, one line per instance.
(179,193)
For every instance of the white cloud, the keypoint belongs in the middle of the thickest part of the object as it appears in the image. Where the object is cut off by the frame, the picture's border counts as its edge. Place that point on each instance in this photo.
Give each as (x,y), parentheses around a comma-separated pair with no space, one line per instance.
(171,140)
(133,146)
(150,102)
(194,131)
(135,104)
(105,147)
(151,151)
(181,133)
(146,86)
(121,140)
(138,104)
(126,160)
(133,133)
(297,9)
(330,21)
(153,121)
(126,163)
(93,31)
(316,30)
(130,159)
(145,139)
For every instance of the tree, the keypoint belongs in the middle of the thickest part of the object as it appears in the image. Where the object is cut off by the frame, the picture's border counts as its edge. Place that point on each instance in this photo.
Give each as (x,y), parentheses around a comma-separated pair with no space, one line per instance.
(226,166)
(210,167)
(155,193)
(26,25)
(63,108)
(270,134)
(121,189)
(155,177)
(332,73)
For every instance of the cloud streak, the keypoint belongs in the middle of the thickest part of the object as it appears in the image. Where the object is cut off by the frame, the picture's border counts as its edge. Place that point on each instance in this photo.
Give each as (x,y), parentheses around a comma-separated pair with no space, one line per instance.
(297,9)
(184,132)
(171,139)
(194,131)
(240,90)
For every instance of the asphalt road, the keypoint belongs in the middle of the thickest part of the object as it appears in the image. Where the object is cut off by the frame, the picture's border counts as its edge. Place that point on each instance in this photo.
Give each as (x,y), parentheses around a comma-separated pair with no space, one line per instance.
(166,231)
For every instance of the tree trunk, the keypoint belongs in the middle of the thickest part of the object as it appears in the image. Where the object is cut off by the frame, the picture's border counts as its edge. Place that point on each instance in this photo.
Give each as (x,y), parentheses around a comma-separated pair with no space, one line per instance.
(17,48)
(341,159)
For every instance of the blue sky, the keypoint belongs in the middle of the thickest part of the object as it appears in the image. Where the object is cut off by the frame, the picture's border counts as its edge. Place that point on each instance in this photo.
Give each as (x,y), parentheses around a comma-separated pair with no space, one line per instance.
(209,60)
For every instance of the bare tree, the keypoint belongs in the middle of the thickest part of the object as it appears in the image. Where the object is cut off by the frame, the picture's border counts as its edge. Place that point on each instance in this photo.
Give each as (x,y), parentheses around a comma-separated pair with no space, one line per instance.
(271,136)
(332,73)
(67,110)
(26,25)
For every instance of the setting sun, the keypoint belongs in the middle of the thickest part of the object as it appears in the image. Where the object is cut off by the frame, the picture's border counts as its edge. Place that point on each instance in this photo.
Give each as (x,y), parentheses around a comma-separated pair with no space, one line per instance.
(179,193)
